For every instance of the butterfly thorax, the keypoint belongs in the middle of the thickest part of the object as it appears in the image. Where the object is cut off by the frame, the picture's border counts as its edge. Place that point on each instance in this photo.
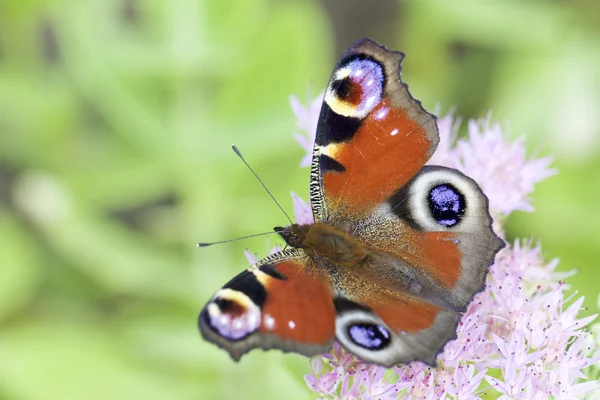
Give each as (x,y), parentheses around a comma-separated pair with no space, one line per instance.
(323,240)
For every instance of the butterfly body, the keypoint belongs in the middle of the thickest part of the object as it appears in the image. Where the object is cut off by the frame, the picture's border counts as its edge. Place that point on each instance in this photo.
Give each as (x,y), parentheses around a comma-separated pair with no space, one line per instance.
(397,249)
(325,244)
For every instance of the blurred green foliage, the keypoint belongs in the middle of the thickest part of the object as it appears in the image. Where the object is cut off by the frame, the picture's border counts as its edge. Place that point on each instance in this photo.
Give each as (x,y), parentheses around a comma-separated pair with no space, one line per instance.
(116,118)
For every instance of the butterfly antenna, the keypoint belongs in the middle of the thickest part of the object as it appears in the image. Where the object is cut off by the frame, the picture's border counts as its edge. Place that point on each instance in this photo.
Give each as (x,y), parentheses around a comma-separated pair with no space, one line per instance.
(237,151)
(235,240)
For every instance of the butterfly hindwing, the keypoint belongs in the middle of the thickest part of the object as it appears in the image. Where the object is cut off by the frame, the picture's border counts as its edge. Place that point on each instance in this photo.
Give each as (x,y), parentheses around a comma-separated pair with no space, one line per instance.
(430,247)
(277,303)
(390,327)
(372,135)
(448,229)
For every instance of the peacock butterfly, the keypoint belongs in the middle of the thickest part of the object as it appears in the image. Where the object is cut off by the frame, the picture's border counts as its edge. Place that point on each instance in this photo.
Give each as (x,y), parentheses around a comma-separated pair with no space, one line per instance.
(397,251)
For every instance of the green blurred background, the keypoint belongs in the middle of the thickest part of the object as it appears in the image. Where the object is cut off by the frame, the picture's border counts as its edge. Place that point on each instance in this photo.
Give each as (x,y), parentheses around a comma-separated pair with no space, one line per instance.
(116,120)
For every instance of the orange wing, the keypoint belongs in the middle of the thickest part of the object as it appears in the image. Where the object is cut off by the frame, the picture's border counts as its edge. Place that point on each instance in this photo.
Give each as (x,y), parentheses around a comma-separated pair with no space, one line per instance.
(372,136)
(277,303)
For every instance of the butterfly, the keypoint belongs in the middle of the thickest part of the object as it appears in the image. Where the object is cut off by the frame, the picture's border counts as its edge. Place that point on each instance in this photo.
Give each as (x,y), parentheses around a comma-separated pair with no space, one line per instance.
(397,251)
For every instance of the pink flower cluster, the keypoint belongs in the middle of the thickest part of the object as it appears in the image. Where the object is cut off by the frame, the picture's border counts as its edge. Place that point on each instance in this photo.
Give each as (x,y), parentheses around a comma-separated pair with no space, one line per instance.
(502,169)
(520,338)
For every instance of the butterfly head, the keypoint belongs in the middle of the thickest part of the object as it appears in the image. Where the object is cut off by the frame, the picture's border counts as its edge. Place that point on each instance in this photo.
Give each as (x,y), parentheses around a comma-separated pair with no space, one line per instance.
(293,235)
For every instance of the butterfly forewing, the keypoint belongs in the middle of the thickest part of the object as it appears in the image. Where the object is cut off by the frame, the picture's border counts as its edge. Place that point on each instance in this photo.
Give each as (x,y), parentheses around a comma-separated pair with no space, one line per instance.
(372,135)
(277,303)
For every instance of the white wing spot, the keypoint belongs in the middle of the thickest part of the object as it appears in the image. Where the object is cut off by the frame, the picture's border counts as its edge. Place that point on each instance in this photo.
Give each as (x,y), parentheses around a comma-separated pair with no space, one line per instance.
(370,103)
(237,324)
(252,319)
(269,322)
(381,114)
(224,320)
(394,132)
(292,324)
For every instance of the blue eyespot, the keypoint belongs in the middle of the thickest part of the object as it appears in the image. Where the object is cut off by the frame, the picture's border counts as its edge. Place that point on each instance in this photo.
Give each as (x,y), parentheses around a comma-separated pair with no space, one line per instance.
(447,205)
(369,336)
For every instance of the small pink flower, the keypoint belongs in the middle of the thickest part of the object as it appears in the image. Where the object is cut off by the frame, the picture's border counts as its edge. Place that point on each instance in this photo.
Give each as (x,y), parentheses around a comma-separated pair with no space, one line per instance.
(307,119)
(375,385)
(302,211)
(502,169)
(325,384)
(253,259)
(445,154)
(465,382)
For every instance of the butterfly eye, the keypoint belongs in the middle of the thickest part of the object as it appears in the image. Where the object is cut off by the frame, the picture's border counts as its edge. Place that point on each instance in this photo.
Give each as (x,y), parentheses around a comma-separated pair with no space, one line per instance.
(369,336)
(447,204)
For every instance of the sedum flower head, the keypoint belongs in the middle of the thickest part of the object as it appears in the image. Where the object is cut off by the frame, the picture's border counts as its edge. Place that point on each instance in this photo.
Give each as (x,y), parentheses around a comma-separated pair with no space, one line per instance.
(520,338)
(501,168)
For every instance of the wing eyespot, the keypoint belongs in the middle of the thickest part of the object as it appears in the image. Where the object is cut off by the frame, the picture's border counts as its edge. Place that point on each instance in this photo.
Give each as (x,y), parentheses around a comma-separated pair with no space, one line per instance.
(369,336)
(447,204)
(440,199)
(232,315)
(356,87)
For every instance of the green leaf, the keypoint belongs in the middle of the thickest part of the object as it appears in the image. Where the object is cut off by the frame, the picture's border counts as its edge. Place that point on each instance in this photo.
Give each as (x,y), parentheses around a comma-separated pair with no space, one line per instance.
(20,266)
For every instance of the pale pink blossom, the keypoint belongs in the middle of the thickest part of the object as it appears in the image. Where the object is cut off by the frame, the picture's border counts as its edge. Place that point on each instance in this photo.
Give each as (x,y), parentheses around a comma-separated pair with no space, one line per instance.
(302,211)
(501,168)
(307,119)
(253,259)
(448,127)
